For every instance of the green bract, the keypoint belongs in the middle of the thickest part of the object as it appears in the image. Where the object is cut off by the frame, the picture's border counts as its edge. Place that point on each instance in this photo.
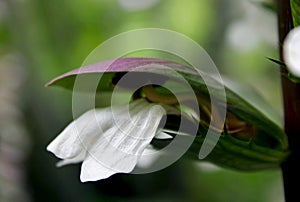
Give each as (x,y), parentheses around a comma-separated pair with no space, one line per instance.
(249,140)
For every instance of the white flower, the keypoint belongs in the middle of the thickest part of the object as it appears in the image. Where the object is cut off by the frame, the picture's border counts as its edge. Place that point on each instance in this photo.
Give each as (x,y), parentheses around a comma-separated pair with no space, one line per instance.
(291,51)
(109,140)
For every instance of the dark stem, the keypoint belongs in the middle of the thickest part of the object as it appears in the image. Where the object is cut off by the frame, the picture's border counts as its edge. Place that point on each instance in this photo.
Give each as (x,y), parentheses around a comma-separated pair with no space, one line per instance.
(291,101)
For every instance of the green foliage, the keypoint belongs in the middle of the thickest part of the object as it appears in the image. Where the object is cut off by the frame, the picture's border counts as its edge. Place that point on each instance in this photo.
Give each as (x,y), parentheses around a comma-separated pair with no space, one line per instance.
(295,5)
(289,75)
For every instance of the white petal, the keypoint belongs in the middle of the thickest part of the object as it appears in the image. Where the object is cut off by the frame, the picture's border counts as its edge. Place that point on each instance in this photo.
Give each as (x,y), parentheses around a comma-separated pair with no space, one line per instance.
(76,159)
(150,155)
(80,134)
(291,51)
(162,135)
(120,147)
(93,170)
(175,132)
(63,146)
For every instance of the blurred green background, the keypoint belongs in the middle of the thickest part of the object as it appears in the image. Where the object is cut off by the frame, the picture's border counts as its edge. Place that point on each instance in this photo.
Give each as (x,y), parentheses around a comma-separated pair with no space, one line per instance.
(41,39)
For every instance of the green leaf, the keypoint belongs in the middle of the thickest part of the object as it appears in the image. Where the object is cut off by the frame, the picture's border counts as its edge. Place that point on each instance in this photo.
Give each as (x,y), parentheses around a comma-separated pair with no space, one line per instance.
(277,62)
(289,75)
(261,145)
(295,6)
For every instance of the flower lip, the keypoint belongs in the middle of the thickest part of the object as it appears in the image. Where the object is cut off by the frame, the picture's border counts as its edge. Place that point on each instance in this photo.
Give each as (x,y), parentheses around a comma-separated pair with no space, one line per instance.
(117,147)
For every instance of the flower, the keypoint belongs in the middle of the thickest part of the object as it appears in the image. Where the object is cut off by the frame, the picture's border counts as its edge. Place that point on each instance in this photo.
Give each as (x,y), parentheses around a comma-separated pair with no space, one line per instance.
(109,140)
(124,140)
(291,51)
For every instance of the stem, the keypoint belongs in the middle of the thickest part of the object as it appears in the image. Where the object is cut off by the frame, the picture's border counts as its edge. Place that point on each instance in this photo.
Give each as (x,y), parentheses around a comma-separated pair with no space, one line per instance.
(291,101)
